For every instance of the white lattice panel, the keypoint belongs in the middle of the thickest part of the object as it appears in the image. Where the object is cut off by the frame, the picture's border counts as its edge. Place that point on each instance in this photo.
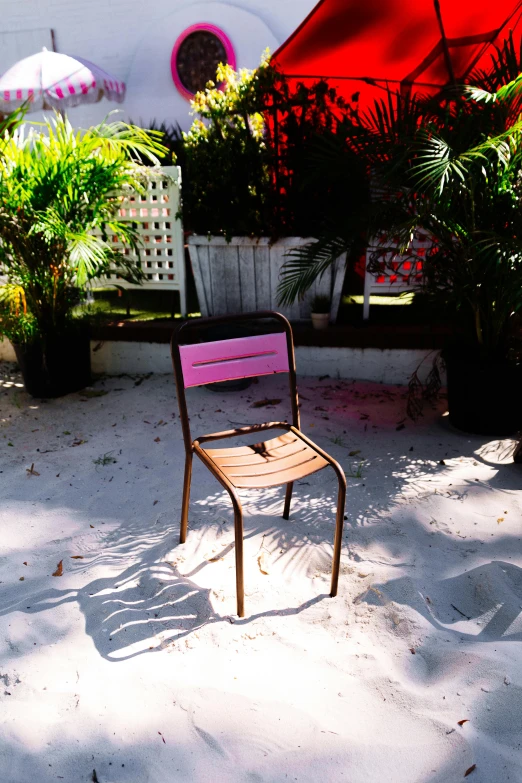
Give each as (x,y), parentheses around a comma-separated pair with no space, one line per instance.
(397,272)
(161,253)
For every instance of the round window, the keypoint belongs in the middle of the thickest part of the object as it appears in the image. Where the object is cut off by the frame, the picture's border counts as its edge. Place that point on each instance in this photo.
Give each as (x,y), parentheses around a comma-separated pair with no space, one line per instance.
(196,56)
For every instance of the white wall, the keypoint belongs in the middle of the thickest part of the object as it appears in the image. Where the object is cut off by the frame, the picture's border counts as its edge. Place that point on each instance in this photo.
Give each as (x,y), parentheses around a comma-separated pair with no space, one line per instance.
(393,366)
(133,40)
(363,364)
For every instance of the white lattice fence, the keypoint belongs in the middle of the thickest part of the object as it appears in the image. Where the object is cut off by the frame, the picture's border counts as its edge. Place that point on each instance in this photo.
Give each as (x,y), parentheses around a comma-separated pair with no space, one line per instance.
(161,253)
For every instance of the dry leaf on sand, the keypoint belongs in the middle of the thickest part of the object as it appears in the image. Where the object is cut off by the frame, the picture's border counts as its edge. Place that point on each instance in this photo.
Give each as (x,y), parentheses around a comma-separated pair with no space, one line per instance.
(262,563)
(263,403)
(59,569)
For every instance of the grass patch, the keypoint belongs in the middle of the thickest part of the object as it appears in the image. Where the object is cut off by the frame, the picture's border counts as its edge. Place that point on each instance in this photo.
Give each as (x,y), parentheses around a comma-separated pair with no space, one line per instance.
(110,304)
(355,470)
(338,441)
(105,459)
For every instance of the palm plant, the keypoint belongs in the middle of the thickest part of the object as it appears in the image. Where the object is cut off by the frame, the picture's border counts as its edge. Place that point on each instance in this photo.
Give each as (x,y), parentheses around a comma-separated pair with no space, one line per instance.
(9,123)
(359,158)
(464,189)
(60,191)
(452,167)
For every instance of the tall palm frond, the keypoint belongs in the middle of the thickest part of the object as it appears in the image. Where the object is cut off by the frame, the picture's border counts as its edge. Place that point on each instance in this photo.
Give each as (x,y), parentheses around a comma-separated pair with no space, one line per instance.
(506,65)
(307,264)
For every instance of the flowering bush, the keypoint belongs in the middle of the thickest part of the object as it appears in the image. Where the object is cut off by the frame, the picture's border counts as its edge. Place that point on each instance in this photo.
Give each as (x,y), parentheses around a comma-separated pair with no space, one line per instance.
(225,172)
(246,159)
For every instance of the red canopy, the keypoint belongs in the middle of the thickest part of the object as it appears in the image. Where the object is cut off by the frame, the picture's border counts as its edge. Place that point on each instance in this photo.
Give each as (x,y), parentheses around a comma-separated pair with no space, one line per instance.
(408,44)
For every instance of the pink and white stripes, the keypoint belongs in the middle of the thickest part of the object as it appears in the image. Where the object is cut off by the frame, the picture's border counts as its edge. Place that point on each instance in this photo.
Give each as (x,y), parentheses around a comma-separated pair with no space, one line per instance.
(51,80)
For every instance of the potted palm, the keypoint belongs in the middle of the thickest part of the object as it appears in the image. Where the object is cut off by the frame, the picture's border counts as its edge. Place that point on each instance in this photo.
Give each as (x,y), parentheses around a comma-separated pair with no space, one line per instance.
(60,191)
(453,169)
(320,311)
(460,183)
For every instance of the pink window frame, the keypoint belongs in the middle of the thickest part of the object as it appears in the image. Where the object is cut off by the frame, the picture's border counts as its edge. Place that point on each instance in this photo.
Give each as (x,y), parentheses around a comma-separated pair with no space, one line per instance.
(206,27)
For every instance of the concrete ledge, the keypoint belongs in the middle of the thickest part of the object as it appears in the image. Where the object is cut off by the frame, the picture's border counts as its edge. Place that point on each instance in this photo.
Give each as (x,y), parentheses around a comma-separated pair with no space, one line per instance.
(115,358)
(382,365)
(389,365)
(393,366)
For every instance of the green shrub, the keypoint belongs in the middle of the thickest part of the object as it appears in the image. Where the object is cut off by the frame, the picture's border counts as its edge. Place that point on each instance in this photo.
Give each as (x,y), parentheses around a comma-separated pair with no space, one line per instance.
(57,186)
(246,161)
(225,176)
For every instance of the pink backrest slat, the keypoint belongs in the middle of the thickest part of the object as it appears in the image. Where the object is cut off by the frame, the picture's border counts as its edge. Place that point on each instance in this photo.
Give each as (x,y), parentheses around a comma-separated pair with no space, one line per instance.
(227,360)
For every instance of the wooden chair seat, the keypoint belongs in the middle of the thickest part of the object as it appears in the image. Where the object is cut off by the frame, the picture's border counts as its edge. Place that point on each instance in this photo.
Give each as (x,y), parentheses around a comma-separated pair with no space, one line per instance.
(268,464)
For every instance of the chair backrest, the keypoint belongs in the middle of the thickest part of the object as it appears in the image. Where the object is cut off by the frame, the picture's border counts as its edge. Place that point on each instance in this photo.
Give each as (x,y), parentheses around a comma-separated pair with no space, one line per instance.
(227,360)
(200,363)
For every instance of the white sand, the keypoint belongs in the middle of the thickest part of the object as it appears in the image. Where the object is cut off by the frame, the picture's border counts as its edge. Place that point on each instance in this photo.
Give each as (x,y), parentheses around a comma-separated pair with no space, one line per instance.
(133,662)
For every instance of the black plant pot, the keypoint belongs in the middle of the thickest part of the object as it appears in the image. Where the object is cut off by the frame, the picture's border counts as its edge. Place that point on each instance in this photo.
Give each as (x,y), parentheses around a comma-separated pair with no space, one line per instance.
(484,396)
(58,366)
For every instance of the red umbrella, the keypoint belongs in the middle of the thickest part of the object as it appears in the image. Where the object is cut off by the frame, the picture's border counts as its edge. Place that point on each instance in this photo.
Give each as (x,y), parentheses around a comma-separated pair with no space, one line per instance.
(420,45)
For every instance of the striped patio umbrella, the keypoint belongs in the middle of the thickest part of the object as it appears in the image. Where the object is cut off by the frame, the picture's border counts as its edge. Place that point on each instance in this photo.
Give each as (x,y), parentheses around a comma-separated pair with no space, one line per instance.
(50,80)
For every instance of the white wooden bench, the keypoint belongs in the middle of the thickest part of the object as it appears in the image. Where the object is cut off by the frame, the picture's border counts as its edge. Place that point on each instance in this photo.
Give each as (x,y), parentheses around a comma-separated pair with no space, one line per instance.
(399,272)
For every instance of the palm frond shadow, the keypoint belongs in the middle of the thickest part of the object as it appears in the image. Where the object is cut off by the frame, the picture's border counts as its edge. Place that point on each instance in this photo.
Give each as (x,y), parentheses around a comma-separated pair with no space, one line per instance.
(154,594)
(148,604)
(292,545)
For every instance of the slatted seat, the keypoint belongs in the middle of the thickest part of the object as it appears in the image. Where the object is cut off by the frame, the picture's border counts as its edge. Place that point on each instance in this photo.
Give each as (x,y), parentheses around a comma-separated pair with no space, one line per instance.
(270,463)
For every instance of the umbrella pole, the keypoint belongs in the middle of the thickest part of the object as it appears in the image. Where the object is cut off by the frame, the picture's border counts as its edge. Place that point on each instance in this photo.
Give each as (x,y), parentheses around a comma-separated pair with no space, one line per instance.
(447,56)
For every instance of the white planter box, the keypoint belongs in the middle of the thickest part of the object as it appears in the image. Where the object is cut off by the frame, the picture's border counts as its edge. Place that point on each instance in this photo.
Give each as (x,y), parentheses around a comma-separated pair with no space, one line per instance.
(242,276)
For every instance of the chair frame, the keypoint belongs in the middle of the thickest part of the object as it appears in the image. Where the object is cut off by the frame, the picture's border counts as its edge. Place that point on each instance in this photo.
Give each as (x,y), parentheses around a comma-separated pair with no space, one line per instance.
(194,447)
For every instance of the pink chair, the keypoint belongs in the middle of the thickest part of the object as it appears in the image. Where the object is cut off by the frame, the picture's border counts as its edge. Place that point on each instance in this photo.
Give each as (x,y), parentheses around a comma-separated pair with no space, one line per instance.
(280,460)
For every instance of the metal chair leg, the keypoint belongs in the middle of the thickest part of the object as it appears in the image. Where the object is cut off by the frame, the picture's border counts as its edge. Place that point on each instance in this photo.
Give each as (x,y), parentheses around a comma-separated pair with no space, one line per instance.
(339,522)
(288,499)
(238,535)
(186,499)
